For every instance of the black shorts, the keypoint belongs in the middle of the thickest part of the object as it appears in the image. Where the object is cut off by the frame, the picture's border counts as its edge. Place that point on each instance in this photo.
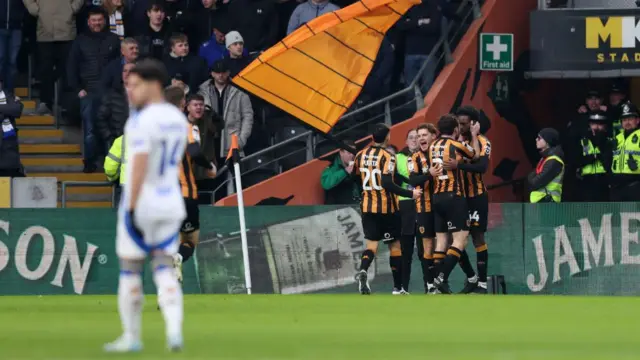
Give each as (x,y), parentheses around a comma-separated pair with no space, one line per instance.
(192,222)
(426,227)
(478,212)
(381,227)
(408,217)
(450,213)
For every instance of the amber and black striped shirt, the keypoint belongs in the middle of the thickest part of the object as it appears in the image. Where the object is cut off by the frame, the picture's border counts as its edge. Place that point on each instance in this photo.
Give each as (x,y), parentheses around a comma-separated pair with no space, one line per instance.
(473,181)
(443,150)
(370,164)
(187,179)
(420,165)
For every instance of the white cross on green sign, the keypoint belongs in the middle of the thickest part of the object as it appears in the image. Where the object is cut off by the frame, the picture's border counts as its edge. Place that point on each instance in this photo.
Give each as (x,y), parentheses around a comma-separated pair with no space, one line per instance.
(496,52)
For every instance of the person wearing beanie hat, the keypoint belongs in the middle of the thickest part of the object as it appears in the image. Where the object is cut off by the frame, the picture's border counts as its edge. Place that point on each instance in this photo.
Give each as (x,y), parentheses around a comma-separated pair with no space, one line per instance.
(625,182)
(546,181)
(376,169)
(594,160)
(237,58)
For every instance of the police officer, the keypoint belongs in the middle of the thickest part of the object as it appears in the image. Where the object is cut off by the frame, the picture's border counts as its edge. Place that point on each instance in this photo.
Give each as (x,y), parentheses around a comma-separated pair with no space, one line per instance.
(114,167)
(594,160)
(546,181)
(625,182)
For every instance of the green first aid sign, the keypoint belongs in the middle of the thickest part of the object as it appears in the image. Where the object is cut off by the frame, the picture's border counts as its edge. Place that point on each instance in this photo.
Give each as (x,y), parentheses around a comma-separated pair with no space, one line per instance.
(496,52)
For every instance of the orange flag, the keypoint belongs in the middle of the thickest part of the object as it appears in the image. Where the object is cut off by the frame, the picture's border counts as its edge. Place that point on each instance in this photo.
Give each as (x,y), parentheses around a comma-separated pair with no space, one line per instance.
(317,72)
(234,153)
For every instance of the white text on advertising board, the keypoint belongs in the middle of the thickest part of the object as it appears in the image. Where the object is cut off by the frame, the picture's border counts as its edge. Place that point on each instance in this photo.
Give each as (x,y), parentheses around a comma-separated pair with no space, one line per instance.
(615,37)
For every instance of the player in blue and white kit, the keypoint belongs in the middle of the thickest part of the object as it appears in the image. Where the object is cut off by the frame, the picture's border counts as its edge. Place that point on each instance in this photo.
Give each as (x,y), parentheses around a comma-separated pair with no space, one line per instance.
(151,209)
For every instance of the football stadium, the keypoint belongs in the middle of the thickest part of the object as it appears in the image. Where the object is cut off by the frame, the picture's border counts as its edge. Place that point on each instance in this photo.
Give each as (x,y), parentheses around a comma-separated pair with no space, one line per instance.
(312,179)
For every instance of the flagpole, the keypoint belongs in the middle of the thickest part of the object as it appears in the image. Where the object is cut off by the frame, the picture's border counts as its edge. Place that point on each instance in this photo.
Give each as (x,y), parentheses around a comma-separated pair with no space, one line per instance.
(243,228)
(234,156)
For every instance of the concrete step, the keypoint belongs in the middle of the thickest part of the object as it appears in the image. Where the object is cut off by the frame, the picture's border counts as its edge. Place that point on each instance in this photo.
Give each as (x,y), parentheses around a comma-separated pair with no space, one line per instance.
(86,193)
(41,133)
(77,176)
(52,160)
(53,168)
(50,149)
(29,104)
(87,204)
(35,120)
(22,92)
(43,140)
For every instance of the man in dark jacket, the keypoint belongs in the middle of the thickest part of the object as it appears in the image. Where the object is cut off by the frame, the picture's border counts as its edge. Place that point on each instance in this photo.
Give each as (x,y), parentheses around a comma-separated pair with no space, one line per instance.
(339,187)
(114,110)
(184,68)
(237,59)
(593,165)
(90,54)
(154,34)
(10,109)
(257,21)
(545,182)
(214,16)
(112,76)
(421,26)
(11,15)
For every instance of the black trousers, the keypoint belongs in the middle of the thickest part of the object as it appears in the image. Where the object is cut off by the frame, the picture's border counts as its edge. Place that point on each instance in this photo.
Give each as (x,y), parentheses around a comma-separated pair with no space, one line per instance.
(593,188)
(626,193)
(408,240)
(52,60)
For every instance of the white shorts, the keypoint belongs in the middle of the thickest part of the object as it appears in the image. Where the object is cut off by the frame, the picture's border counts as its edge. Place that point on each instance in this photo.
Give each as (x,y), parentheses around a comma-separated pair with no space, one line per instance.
(158,236)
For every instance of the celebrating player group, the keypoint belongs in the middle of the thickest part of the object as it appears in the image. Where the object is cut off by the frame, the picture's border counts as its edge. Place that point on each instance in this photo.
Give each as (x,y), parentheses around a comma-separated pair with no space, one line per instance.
(444,177)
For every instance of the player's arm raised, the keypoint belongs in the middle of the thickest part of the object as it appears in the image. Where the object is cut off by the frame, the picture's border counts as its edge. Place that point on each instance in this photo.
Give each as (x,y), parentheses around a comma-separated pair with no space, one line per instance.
(389,169)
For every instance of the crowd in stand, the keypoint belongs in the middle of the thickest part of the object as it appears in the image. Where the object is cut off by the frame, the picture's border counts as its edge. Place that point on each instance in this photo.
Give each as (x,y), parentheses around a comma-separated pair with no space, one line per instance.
(87,43)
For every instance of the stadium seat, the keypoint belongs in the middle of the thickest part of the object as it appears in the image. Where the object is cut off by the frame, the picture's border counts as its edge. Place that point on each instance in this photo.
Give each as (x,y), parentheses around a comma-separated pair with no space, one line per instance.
(257,169)
(293,153)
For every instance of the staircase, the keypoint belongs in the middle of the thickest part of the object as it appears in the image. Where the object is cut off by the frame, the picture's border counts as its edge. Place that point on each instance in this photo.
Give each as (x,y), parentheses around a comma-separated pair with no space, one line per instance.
(47,151)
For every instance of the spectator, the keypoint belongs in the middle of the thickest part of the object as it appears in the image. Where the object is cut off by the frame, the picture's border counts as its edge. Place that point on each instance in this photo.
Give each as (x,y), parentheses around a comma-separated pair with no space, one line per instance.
(378,83)
(237,58)
(56,28)
(114,110)
(617,97)
(625,184)
(421,26)
(182,67)
(10,109)
(90,53)
(336,180)
(214,49)
(546,181)
(211,19)
(119,20)
(231,103)
(308,11)
(112,76)
(257,20)
(197,116)
(11,15)
(594,160)
(153,38)
(182,21)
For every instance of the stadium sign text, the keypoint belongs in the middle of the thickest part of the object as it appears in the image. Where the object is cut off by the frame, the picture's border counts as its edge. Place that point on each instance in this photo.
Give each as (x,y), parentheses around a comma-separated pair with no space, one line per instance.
(615,37)
(68,257)
(599,249)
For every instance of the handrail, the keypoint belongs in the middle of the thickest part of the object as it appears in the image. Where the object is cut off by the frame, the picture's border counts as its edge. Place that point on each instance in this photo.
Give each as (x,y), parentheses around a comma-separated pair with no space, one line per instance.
(505,183)
(66,184)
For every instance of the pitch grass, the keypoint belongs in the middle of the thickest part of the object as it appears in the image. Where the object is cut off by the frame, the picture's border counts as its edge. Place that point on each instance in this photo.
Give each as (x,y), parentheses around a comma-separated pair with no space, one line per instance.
(333,327)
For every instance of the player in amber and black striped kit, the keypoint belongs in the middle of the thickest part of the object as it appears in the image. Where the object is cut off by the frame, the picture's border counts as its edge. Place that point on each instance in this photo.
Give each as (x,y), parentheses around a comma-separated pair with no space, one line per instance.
(376,168)
(449,204)
(477,200)
(427,133)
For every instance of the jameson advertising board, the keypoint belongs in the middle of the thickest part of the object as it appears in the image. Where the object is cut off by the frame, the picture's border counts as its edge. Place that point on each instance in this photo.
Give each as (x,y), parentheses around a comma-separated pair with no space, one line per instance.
(589,249)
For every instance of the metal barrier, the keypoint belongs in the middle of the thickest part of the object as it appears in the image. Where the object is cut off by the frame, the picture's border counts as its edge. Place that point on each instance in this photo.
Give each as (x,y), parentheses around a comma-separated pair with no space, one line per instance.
(418,98)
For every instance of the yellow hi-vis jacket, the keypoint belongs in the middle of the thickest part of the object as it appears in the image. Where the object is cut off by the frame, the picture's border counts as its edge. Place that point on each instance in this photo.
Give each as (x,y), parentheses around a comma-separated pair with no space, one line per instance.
(114,162)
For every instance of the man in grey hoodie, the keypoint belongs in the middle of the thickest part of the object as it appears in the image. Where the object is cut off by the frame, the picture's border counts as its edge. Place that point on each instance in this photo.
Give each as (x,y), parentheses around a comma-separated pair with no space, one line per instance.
(308,11)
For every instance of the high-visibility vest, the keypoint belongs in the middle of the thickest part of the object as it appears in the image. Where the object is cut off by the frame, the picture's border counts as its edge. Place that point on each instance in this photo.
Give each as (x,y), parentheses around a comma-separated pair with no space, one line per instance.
(589,150)
(553,188)
(402,167)
(115,161)
(626,148)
